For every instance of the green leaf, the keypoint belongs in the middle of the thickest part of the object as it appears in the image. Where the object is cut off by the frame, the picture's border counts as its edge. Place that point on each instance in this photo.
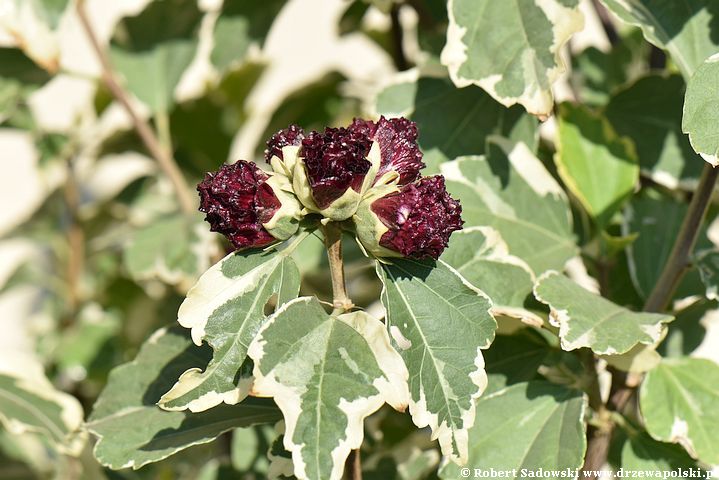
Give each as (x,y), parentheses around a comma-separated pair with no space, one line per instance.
(686,29)
(585,319)
(453,121)
(511,191)
(701,109)
(655,128)
(514,358)
(532,426)
(326,373)
(19,77)
(152,52)
(480,255)
(226,309)
(240,24)
(657,219)
(28,406)
(511,48)
(678,401)
(133,431)
(599,168)
(640,452)
(708,264)
(174,249)
(430,307)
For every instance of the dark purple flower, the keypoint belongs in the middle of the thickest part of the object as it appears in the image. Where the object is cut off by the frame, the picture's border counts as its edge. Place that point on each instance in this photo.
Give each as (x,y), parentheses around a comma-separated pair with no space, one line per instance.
(335,160)
(418,219)
(291,135)
(397,139)
(238,201)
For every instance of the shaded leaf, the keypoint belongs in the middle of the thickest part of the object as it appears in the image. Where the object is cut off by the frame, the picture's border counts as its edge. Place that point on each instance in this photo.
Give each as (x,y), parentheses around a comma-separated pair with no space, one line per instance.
(655,128)
(511,191)
(152,52)
(133,431)
(686,29)
(452,121)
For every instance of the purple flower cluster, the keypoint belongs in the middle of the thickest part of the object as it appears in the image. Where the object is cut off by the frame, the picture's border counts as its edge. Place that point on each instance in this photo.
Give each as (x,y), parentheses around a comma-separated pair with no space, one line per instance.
(369,167)
(237,201)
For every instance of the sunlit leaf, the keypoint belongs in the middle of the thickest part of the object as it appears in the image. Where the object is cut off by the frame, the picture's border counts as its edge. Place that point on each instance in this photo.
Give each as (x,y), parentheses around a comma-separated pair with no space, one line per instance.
(599,168)
(226,309)
(326,373)
(678,401)
(532,426)
(701,110)
(511,48)
(429,306)
(585,319)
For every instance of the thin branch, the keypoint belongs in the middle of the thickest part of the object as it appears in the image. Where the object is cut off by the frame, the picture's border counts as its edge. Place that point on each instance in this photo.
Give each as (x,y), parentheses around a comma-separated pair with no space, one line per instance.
(680,256)
(397,33)
(333,243)
(353,467)
(142,127)
(623,385)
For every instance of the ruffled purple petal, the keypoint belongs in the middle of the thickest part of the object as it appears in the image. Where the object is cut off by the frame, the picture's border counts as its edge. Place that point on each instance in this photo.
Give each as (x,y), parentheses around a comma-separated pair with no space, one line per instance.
(237,201)
(420,217)
(335,161)
(291,135)
(397,139)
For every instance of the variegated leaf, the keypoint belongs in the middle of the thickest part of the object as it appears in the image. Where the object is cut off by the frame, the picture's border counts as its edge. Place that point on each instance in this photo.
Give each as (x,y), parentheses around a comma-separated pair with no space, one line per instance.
(533,425)
(29,406)
(588,320)
(510,190)
(701,110)
(510,48)
(482,257)
(686,29)
(226,309)
(326,373)
(439,324)
(679,401)
(133,431)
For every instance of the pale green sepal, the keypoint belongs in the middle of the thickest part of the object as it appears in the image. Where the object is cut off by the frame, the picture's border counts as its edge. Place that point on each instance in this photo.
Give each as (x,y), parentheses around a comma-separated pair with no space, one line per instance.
(226,309)
(286,167)
(346,205)
(286,220)
(326,373)
(368,227)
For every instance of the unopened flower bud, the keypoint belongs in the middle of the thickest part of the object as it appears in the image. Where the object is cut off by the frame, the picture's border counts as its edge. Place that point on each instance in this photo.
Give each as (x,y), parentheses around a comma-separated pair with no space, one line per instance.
(401,158)
(248,206)
(413,220)
(282,149)
(334,170)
